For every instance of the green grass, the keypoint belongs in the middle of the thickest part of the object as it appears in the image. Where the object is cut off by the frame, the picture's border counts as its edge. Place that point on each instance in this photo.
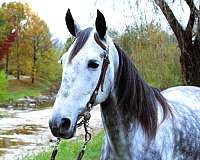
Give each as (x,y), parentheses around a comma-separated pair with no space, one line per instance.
(16,95)
(20,88)
(70,149)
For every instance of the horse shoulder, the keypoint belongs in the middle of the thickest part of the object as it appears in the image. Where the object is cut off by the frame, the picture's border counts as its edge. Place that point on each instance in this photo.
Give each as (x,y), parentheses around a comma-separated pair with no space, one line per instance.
(160,148)
(185,106)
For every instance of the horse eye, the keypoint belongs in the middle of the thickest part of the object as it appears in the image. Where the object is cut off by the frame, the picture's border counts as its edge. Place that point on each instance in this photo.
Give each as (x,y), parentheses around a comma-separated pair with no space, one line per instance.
(92,64)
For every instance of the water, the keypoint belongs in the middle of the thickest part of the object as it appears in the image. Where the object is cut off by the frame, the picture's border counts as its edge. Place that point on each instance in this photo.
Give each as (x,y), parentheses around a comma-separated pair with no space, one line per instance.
(25,131)
(22,131)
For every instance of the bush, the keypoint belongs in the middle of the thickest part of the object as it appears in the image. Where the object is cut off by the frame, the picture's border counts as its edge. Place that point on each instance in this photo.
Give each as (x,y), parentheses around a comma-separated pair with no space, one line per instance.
(3,84)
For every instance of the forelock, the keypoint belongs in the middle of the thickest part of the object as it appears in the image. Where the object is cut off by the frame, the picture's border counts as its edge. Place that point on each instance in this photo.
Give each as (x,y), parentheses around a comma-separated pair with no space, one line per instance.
(80,41)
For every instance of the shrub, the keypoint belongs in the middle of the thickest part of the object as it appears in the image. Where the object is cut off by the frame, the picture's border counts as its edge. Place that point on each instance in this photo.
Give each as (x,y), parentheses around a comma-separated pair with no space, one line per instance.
(3,84)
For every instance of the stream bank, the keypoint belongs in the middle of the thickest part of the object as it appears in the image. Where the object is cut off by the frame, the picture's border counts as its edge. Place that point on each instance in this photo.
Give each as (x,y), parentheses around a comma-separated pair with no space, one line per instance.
(25,129)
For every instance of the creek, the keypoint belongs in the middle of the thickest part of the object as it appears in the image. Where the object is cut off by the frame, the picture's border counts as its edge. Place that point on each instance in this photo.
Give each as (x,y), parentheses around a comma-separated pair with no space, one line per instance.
(25,130)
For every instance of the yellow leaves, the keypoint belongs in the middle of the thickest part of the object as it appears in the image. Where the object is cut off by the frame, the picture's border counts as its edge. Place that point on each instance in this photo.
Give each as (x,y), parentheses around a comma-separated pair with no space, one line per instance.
(27,9)
(36,27)
(14,13)
(33,44)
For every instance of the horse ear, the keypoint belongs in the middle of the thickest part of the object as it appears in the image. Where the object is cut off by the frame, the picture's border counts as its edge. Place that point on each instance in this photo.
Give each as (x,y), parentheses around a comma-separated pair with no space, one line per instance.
(72,26)
(100,24)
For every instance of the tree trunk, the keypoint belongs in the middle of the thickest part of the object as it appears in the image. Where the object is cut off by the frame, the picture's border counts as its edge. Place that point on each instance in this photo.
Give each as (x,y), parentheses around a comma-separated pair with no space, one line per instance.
(33,67)
(190,65)
(18,62)
(189,42)
(7,60)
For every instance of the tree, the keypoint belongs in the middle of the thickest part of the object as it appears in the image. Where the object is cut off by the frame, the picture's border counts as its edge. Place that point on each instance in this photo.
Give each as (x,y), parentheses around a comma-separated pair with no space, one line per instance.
(5,46)
(33,53)
(6,36)
(188,40)
(40,39)
(14,15)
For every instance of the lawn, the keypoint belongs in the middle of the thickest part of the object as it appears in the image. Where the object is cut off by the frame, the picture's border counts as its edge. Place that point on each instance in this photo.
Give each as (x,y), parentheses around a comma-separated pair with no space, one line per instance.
(68,150)
(20,88)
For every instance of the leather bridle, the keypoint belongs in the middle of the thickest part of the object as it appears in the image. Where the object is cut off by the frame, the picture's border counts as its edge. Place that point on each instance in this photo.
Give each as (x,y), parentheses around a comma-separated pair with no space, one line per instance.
(86,115)
(104,68)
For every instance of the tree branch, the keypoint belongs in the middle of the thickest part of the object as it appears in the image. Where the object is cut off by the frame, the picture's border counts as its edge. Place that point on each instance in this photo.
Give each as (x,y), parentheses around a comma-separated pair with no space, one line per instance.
(190,22)
(193,14)
(197,38)
(173,22)
(191,5)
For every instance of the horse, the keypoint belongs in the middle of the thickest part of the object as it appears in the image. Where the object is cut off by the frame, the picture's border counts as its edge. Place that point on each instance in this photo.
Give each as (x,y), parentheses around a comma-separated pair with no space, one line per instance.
(140,122)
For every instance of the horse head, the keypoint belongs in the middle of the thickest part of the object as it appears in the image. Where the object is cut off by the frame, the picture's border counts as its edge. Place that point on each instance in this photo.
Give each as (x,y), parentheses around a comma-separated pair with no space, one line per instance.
(82,66)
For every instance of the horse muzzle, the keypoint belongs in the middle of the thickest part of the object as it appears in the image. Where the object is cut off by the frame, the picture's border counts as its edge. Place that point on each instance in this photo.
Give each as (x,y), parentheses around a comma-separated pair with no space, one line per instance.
(62,127)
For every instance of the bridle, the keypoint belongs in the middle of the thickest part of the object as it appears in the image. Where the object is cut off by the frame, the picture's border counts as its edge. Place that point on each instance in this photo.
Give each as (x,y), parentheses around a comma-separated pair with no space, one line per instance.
(86,115)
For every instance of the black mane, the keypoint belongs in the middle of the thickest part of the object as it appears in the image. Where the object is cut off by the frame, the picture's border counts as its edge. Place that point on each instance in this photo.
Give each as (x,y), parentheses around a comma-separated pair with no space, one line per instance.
(136,99)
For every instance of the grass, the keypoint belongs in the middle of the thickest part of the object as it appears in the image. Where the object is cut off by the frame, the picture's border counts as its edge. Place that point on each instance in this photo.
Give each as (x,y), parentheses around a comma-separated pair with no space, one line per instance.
(20,88)
(70,149)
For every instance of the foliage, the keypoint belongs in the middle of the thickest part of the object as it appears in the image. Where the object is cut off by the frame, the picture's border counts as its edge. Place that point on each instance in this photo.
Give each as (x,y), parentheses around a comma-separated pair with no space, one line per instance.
(48,67)
(154,53)
(33,53)
(2,26)
(3,84)
(68,43)
(70,149)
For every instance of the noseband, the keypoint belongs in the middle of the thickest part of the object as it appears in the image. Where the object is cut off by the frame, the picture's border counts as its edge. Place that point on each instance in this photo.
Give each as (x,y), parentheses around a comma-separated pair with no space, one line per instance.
(86,115)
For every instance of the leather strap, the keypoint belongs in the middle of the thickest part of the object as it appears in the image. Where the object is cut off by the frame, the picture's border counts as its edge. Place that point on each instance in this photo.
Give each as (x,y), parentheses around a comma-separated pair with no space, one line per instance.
(99,41)
(104,68)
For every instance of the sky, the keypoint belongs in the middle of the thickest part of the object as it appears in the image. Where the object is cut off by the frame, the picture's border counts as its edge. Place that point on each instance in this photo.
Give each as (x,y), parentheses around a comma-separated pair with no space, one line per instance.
(116,12)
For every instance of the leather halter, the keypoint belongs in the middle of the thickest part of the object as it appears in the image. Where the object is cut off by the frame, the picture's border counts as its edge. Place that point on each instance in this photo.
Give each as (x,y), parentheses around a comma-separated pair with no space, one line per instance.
(104,68)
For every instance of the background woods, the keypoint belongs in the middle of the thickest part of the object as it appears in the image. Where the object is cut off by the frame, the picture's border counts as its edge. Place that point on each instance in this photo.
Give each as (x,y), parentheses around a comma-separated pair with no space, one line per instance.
(31,54)
(188,37)
(153,51)
(163,59)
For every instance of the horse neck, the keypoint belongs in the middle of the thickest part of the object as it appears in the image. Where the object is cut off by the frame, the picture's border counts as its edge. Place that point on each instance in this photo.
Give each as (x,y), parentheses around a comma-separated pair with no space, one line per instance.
(116,133)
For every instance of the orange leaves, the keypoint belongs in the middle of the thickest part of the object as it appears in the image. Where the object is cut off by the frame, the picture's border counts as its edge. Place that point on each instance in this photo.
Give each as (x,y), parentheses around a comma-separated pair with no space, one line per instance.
(33,42)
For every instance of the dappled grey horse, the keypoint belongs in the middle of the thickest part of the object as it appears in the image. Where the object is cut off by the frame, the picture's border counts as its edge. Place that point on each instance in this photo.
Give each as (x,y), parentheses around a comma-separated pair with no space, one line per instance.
(140,122)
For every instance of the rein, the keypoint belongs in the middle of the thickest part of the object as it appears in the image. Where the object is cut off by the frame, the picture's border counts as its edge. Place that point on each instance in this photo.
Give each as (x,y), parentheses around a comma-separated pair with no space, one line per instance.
(86,115)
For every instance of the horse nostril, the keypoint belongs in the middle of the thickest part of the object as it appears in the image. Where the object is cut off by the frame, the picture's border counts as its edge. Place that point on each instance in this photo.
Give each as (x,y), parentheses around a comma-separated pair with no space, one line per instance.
(65,123)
